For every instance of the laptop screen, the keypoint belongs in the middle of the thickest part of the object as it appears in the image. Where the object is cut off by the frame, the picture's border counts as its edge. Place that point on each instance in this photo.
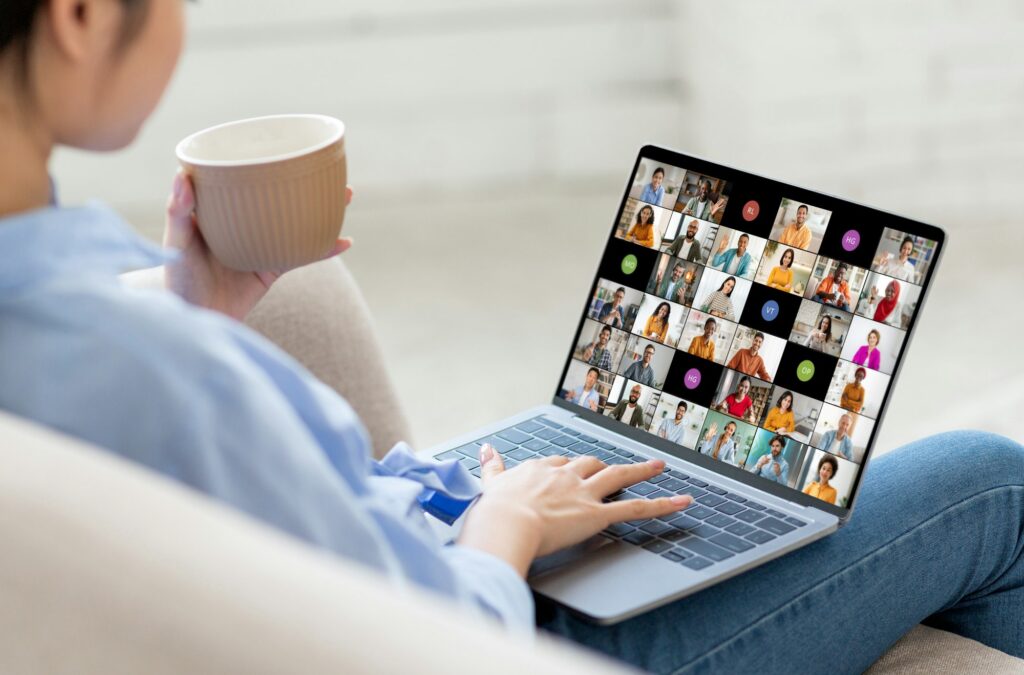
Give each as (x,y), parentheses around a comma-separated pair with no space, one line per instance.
(750,323)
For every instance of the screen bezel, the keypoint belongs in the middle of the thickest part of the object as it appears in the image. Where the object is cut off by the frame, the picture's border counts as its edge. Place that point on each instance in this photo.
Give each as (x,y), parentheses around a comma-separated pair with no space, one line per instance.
(737,179)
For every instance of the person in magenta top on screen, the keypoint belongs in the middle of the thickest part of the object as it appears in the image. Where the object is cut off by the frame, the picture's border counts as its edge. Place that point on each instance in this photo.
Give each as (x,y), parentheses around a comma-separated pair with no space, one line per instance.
(869,355)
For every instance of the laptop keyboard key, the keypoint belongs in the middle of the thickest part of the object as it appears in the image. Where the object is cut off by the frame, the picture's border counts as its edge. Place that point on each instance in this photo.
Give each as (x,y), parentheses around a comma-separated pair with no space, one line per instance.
(730,508)
(476,472)
(547,434)
(520,454)
(469,463)
(499,444)
(777,514)
(697,563)
(658,546)
(638,537)
(551,423)
(749,516)
(535,444)
(584,448)
(673,484)
(734,544)
(706,549)
(656,527)
(642,489)
(549,450)
(469,450)
(735,498)
(563,441)
(754,505)
(794,521)
(775,526)
(588,439)
(513,436)
(571,432)
(710,500)
(616,460)
(451,454)
(605,446)
(717,490)
(678,475)
(685,522)
(697,511)
(619,529)
(675,535)
(619,451)
(672,556)
(759,537)
(740,529)
(657,479)
(704,531)
(698,482)
(693,491)
(529,426)
(720,520)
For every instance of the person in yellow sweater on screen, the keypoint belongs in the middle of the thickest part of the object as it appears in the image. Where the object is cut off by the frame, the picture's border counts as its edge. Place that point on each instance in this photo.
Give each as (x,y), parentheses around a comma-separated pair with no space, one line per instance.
(828,467)
(657,324)
(780,418)
(642,231)
(853,393)
(781,276)
(702,345)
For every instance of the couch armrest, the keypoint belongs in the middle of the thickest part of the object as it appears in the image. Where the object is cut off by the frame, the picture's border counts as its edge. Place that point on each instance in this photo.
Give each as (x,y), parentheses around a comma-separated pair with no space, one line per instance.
(318,315)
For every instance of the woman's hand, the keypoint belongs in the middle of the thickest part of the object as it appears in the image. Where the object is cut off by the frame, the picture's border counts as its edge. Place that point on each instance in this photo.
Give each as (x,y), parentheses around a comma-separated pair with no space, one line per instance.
(198,277)
(548,504)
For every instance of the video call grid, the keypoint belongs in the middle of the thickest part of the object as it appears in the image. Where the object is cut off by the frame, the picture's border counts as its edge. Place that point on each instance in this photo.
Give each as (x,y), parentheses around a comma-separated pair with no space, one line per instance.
(823,268)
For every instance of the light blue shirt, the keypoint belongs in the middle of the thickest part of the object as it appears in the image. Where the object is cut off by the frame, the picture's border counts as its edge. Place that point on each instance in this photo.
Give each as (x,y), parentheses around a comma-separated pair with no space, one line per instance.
(724,260)
(652,196)
(672,431)
(845,445)
(727,453)
(201,398)
(585,399)
(768,470)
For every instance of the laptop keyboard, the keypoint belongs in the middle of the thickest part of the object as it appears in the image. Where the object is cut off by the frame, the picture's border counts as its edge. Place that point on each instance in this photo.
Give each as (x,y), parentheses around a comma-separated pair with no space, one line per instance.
(715,527)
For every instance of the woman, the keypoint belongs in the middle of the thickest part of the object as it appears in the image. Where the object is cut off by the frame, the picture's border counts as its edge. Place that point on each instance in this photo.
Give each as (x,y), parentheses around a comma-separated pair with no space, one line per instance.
(642,231)
(266,438)
(853,393)
(828,467)
(887,306)
(780,418)
(739,404)
(869,354)
(901,267)
(781,276)
(657,323)
(719,303)
(820,337)
(719,446)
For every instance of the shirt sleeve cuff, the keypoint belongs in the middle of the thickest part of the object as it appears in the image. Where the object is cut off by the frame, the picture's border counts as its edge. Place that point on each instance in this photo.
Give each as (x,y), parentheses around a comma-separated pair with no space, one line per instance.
(496,587)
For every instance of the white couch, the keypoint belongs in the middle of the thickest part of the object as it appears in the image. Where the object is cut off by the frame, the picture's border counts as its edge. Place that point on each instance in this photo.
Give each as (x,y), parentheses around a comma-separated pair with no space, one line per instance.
(106,567)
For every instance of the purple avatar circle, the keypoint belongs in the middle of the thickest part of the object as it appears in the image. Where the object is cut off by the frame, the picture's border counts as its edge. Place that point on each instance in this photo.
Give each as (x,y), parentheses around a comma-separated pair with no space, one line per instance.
(692,379)
(851,240)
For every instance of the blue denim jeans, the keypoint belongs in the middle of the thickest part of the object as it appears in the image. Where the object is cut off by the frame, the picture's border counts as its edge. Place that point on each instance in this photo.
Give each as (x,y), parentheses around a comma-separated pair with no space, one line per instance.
(936,537)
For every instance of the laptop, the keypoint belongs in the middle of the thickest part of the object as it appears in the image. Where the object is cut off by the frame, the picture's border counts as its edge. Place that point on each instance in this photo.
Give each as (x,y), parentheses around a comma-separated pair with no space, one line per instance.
(749,333)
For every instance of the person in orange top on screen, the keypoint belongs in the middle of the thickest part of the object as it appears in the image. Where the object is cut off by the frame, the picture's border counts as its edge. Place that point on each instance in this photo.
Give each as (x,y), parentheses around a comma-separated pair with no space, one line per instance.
(781,276)
(833,289)
(853,393)
(702,345)
(780,418)
(657,324)
(797,233)
(642,231)
(828,467)
(749,362)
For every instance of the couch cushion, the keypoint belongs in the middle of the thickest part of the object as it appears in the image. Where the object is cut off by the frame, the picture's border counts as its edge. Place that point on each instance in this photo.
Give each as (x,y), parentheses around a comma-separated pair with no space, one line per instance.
(927,651)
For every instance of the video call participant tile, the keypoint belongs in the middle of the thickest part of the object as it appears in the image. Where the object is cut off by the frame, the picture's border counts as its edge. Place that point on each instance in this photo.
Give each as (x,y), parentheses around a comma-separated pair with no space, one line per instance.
(805,371)
(722,295)
(725,438)
(842,433)
(785,268)
(707,337)
(675,279)
(586,386)
(660,320)
(736,253)
(600,345)
(903,256)
(691,240)
(791,414)
(703,197)
(656,183)
(821,327)
(873,345)
(889,301)
(644,224)
(827,477)
(614,305)
(770,311)
(836,283)
(857,389)
(678,420)
(627,264)
(800,225)
(751,210)
(755,353)
(849,240)
(693,378)
(631,403)
(776,458)
(645,361)
(741,396)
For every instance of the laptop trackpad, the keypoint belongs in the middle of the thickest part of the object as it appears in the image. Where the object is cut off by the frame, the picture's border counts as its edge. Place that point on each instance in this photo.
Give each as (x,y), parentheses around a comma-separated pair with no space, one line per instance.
(568,555)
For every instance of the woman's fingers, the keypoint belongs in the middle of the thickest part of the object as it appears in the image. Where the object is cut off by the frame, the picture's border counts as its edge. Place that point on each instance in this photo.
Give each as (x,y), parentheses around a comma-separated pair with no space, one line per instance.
(640,509)
(491,463)
(180,227)
(586,466)
(619,476)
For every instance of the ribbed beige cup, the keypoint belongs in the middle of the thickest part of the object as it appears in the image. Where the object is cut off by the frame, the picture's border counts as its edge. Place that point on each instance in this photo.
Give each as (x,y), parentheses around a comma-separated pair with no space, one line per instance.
(270,191)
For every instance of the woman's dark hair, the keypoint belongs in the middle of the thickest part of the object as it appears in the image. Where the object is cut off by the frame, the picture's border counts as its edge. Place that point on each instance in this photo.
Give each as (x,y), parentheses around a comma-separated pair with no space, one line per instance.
(668,310)
(641,211)
(829,459)
(742,380)
(792,256)
(828,331)
(18,18)
(778,403)
(657,171)
(733,280)
(909,240)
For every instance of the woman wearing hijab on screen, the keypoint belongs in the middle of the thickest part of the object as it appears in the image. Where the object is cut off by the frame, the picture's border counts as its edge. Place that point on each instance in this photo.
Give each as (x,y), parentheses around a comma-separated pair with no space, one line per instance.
(886,312)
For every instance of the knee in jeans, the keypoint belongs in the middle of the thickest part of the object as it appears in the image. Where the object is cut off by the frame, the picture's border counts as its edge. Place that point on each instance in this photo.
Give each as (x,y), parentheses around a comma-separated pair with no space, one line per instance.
(995,459)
